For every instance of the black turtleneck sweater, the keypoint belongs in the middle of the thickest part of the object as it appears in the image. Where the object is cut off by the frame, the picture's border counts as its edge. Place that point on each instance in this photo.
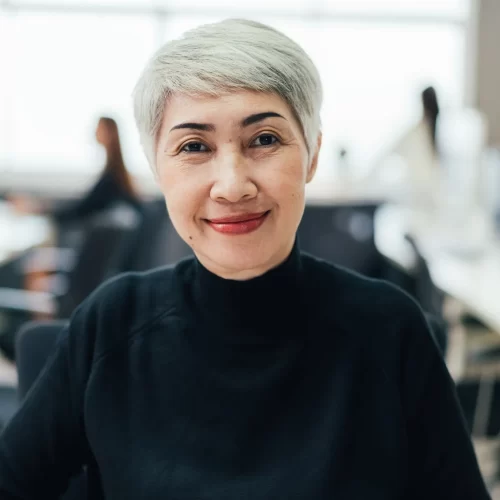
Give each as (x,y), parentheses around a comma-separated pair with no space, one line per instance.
(308,383)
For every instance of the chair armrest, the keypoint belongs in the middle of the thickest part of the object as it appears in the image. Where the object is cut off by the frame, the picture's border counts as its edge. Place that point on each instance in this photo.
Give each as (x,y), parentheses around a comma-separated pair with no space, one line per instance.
(32,302)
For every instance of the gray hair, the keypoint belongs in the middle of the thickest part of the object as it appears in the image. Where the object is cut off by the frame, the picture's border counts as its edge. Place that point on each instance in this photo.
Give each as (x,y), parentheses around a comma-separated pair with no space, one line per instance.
(234,54)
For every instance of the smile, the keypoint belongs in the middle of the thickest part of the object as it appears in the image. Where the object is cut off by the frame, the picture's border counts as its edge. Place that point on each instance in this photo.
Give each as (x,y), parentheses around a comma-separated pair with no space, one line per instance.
(238,224)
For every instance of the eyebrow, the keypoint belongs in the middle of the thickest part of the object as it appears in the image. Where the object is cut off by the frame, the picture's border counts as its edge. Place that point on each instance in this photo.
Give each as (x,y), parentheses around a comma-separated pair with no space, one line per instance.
(208,127)
(258,117)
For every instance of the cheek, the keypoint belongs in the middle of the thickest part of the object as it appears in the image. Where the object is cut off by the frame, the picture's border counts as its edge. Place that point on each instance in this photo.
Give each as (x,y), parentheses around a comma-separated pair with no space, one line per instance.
(183,199)
(286,181)
(181,212)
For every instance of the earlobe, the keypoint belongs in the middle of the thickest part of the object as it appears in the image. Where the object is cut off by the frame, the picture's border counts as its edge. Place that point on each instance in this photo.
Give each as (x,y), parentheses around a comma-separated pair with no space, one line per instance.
(314,162)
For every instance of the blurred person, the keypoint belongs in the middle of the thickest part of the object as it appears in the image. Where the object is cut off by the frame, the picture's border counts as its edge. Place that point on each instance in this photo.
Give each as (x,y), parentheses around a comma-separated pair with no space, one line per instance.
(430,106)
(250,370)
(113,185)
(411,163)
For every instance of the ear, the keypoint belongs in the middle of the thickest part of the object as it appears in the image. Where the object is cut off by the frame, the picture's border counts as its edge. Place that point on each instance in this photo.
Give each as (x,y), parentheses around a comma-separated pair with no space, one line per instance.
(314,162)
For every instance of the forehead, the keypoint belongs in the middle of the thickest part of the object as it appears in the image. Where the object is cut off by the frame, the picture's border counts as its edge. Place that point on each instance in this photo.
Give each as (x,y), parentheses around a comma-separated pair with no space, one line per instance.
(228,107)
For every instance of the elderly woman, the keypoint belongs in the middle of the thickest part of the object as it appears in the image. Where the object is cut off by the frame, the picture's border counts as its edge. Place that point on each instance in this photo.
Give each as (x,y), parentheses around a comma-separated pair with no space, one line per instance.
(248,371)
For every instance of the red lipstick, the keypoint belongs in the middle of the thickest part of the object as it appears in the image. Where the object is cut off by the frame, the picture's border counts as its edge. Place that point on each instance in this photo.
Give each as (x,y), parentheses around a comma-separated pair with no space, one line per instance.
(238,224)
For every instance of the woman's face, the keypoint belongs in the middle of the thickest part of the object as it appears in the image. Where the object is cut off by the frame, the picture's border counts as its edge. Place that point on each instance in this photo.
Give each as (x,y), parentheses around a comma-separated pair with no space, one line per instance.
(233,171)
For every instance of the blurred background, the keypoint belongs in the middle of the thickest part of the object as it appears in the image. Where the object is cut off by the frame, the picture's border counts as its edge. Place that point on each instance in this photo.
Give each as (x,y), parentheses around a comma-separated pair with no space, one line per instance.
(407,190)
(65,62)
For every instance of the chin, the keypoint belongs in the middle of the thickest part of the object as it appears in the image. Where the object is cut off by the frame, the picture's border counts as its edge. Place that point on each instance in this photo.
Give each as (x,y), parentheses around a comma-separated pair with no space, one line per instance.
(240,257)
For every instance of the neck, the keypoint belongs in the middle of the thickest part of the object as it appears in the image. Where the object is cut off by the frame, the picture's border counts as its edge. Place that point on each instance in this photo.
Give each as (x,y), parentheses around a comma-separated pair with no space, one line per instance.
(248,272)
(262,303)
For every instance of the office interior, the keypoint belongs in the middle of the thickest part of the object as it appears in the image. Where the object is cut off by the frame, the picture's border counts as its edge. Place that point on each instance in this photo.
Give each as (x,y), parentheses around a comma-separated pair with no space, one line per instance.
(407,188)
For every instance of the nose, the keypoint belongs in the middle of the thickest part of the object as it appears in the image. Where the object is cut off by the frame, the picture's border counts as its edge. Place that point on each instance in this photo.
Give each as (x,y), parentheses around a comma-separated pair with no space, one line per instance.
(232,180)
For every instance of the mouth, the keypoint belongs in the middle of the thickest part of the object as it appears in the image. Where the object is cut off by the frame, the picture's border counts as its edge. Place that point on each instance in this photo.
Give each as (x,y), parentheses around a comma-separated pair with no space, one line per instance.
(238,224)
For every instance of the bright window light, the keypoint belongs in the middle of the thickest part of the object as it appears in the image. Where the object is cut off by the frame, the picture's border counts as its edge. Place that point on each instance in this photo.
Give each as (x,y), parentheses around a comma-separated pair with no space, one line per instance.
(62,68)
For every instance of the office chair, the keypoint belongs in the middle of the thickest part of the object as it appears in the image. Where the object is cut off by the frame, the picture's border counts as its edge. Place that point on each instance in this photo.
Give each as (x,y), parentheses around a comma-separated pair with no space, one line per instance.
(429,296)
(478,389)
(9,404)
(96,261)
(155,242)
(34,343)
(342,234)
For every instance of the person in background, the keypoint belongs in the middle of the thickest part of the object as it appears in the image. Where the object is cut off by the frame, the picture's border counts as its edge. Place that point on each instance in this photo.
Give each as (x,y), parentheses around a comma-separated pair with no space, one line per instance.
(411,164)
(114,185)
(250,370)
(430,107)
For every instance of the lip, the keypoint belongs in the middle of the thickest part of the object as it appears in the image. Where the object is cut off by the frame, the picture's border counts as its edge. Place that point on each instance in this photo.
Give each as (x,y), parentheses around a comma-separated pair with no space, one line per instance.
(239,223)
(237,218)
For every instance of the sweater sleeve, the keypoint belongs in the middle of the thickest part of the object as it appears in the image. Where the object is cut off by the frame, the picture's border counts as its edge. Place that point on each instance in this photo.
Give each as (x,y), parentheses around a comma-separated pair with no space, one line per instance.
(44,444)
(442,461)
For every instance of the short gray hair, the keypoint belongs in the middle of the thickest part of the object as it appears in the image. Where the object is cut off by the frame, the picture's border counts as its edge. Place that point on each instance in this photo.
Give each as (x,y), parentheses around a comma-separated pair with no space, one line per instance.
(234,54)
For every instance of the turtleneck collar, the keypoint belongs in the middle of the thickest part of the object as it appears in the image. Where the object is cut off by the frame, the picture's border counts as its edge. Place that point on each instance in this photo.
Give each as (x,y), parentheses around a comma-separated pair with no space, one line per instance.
(265,304)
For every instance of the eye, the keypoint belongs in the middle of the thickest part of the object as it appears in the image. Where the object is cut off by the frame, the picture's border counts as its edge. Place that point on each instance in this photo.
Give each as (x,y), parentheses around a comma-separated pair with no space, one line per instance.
(194,147)
(264,140)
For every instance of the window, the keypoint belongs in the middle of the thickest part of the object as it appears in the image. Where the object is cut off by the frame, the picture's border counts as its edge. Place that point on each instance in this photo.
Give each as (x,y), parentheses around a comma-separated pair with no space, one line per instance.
(6,90)
(372,77)
(454,9)
(68,61)
(68,70)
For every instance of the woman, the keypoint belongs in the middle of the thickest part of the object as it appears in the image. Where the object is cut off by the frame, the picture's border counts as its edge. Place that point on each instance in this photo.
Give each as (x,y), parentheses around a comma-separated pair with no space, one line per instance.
(430,106)
(411,164)
(250,371)
(114,184)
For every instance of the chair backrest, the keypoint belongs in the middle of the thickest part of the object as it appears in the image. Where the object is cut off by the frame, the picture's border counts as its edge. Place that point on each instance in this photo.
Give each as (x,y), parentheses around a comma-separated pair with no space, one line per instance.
(98,256)
(342,234)
(439,331)
(428,295)
(172,248)
(34,343)
(155,242)
(430,298)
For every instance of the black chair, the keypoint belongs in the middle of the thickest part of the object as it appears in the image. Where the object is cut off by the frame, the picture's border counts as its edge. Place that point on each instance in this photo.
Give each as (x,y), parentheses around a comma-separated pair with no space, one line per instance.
(344,235)
(155,242)
(97,261)
(429,296)
(98,258)
(9,404)
(479,391)
(34,343)
(439,331)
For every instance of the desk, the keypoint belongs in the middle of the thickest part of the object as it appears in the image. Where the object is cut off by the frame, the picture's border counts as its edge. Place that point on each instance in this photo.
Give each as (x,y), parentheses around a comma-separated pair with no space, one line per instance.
(473,280)
(20,232)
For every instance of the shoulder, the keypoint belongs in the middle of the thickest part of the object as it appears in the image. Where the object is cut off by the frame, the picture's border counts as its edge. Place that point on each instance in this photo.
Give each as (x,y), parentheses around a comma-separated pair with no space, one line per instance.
(375,323)
(127,305)
(371,315)
(357,295)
